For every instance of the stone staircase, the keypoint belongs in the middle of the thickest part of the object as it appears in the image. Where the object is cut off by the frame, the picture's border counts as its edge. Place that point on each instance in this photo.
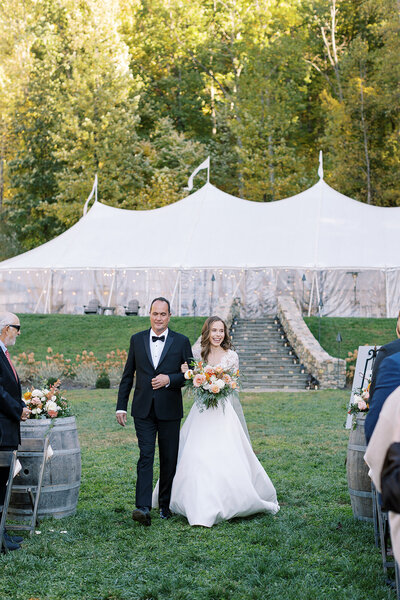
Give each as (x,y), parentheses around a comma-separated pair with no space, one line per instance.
(267,362)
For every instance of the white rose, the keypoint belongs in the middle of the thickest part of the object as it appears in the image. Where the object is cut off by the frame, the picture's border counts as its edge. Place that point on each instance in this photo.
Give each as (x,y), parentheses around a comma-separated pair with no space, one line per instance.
(37,394)
(51,406)
(220,383)
(36,411)
(189,374)
(356,398)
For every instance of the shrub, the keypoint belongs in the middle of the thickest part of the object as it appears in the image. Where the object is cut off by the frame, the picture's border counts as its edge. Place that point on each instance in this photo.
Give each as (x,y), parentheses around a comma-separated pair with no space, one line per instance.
(103,381)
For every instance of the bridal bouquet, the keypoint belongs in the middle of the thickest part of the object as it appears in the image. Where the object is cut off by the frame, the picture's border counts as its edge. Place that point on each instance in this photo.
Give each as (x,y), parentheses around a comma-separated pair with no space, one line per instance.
(47,403)
(210,385)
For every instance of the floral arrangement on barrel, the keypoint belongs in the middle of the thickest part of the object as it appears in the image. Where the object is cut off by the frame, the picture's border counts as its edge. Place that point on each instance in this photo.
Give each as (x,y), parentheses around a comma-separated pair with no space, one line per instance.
(360,402)
(209,385)
(47,403)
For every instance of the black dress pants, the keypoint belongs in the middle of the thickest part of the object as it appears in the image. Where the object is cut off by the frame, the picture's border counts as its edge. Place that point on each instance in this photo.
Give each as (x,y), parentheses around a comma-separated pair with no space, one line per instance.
(147,430)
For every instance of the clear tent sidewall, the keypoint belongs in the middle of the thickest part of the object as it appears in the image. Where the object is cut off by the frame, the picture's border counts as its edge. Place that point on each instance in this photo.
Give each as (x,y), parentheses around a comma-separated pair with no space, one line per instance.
(199,291)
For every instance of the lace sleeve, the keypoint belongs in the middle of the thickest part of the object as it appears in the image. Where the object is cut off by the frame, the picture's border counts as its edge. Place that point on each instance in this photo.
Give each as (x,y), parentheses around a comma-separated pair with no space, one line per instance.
(233,360)
(196,349)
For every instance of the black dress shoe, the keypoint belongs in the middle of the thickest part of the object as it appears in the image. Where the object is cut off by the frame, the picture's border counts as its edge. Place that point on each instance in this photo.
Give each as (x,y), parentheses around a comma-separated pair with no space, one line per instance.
(9,545)
(17,539)
(142,515)
(165,513)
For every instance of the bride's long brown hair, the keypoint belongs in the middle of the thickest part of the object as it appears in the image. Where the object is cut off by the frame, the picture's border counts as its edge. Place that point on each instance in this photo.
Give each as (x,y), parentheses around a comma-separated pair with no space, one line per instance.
(205,337)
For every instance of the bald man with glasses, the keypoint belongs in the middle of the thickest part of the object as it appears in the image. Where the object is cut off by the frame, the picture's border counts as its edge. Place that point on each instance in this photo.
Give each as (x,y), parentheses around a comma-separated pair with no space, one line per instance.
(13,409)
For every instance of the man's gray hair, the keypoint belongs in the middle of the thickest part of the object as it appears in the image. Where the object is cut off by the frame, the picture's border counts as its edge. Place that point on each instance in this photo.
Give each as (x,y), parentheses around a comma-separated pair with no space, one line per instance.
(5,320)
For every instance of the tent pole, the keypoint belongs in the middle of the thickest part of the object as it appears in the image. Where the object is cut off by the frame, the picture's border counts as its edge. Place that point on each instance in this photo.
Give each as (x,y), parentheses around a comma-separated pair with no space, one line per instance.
(180,293)
(175,288)
(111,289)
(386,294)
(311,295)
(38,302)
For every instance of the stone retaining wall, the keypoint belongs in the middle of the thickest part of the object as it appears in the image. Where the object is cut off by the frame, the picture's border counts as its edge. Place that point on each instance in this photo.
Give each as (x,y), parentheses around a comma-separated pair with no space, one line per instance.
(329,371)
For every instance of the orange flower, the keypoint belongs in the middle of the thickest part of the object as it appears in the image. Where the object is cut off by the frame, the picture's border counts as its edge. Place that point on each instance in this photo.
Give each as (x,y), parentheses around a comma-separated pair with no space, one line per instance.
(27,395)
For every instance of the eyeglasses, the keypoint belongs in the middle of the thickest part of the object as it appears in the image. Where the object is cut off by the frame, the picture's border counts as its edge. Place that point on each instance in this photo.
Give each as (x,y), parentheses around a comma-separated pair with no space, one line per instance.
(17,327)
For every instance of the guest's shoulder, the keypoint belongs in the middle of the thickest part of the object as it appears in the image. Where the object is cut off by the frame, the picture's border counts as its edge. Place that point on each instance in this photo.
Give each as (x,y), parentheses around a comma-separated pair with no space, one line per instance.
(390,347)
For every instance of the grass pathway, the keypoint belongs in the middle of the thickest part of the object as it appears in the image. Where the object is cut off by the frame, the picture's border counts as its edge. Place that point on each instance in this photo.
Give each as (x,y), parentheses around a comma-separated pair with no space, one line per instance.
(312,549)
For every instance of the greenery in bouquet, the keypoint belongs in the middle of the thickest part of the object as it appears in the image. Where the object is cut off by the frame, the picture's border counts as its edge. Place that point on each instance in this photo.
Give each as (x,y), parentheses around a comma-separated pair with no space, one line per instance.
(209,385)
(360,402)
(48,402)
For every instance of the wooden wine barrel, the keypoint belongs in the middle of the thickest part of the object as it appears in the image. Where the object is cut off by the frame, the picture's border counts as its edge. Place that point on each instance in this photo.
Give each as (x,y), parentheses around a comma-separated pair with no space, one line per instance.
(62,476)
(357,473)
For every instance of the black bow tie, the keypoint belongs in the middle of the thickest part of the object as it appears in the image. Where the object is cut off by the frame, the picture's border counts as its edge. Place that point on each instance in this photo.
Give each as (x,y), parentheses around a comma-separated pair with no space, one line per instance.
(154,338)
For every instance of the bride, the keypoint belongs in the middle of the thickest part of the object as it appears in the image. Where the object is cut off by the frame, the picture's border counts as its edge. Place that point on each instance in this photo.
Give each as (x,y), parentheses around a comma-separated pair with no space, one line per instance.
(218,476)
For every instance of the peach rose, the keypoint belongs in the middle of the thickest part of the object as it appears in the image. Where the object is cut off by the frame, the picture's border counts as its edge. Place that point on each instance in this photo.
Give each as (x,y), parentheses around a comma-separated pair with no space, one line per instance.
(233,385)
(199,379)
(226,378)
(214,388)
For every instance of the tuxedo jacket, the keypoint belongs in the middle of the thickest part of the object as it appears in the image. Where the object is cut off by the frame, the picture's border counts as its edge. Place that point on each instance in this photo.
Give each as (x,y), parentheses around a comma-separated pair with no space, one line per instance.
(167,400)
(387,380)
(11,404)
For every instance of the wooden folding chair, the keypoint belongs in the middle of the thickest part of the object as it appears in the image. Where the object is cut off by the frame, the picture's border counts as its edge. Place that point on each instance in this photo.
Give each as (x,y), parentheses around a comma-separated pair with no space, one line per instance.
(8,458)
(30,447)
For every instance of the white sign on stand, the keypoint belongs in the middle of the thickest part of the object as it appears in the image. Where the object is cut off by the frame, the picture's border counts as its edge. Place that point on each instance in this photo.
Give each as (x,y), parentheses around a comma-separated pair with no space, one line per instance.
(364,352)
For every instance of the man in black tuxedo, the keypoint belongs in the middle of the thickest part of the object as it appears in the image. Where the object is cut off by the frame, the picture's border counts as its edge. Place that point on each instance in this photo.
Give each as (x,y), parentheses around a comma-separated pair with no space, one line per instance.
(156,356)
(13,409)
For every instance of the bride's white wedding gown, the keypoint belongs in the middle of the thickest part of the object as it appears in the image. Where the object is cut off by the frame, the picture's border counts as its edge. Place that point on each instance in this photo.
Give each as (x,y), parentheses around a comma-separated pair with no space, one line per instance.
(218,476)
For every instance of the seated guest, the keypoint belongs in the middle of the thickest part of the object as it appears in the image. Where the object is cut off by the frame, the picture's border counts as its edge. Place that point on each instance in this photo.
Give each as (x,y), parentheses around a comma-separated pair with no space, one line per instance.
(383,458)
(385,378)
(383,352)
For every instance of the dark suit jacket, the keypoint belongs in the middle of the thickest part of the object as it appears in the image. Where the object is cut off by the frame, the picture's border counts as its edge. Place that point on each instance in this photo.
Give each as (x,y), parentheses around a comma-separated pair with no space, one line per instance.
(383,352)
(11,404)
(167,400)
(387,380)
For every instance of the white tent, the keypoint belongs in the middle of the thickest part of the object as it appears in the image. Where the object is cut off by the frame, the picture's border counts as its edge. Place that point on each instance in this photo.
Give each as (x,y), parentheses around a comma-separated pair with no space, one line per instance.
(319,245)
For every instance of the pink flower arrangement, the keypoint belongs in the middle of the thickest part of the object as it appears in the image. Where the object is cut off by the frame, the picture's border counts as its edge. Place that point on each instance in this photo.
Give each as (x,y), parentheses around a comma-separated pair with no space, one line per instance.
(47,403)
(360,402)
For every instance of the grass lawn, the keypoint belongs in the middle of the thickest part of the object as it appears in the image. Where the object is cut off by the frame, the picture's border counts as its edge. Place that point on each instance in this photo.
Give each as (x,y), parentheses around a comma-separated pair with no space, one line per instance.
(70,334)
(354,331)
(313,549)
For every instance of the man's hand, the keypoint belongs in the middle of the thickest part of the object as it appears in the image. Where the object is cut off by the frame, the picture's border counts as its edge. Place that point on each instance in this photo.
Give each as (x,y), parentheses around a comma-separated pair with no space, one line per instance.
(121,418)
(25,413)
(159,382)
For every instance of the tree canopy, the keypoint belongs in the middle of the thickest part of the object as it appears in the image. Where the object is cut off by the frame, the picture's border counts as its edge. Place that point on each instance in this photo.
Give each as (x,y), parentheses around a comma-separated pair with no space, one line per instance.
(141,91)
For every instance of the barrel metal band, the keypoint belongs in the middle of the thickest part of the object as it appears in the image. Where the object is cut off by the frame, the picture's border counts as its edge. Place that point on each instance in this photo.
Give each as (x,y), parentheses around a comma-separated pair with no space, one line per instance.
(21,489)
(360,493)
(358,448)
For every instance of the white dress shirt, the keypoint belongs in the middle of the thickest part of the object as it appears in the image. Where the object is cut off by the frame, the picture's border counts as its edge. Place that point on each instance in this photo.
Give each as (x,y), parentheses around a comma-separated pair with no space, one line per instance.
(157,347)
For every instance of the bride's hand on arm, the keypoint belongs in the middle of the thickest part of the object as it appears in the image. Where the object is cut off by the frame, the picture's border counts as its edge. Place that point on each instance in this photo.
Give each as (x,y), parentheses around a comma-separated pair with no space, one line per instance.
(184,367)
